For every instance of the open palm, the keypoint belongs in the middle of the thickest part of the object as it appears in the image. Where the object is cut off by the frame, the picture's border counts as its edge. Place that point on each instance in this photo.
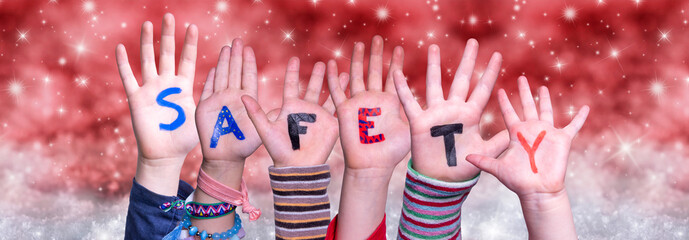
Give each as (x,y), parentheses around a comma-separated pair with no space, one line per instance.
(155,126)
(546,173)
(385,154)
(312,146)
(429,152)
(234,76)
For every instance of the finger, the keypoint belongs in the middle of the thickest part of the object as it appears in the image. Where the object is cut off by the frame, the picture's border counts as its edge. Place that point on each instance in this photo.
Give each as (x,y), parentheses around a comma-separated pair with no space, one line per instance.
(545,105)
(411,107)
(329,105)
(291,89)
(357,69)
(528,104)
(487,164)
(273,114)
(167,46)
(484,88)
(126,74)
(187,61)
(148,66)
(375,65)
(235,80)
(434,87)
(462,79)
(336,93)
(508,113)
(313,90)
(578,121)
(256,114)
(396,63)
(208,86)
(222,70)
(250,73)
(498,143)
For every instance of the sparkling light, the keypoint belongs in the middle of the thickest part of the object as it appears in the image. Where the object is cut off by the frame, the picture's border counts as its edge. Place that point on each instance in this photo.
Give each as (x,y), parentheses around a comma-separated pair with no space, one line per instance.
(521,34)
(88,6)
(15,88)
(61,110)
(221,6)
(288,35)
(657,88)
(430,35)
(558,65)
(487,118)
(569,13)
(382,13)
(23,36)
(473,20)
(81,81)
(81,48)
(664,36)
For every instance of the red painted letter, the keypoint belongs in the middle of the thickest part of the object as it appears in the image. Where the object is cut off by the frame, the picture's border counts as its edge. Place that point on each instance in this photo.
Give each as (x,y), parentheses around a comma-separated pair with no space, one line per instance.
(531,150)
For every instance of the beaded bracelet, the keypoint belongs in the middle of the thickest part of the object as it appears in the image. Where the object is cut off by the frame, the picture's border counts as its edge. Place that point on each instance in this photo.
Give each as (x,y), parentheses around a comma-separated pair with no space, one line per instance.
(208,211)
(194,231)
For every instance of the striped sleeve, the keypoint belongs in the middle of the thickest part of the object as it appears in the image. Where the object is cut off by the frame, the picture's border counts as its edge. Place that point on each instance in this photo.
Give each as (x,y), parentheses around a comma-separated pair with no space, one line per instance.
(432,208)
(302,207)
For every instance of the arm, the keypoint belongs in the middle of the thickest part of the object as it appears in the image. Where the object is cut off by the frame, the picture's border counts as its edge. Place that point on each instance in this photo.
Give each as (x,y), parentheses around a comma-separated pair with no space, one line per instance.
(164,133)
(299,138)
(442,135)
(535,163)
(227,135)
(374,137)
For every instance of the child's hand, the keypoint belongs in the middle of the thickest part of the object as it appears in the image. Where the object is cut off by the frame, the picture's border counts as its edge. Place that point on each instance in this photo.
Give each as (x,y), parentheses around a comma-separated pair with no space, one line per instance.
(439,124)
(374,139)
(162,109)
(385,141)
(227,134)
(542,173)
(287,145)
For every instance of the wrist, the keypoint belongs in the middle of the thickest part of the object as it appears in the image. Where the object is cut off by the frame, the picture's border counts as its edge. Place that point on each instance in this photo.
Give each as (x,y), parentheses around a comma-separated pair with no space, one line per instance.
(544,202)
(548,215)
(160,175)
(362,202)
(368,179)
(227,172)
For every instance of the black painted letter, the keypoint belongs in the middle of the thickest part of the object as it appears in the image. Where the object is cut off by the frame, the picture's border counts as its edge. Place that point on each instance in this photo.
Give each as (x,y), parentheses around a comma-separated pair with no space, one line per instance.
(294,129)
(448,132)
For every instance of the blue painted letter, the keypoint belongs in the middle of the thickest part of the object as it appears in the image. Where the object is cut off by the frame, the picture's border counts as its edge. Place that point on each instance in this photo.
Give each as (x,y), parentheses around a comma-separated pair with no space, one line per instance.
(180,112)
(232,127)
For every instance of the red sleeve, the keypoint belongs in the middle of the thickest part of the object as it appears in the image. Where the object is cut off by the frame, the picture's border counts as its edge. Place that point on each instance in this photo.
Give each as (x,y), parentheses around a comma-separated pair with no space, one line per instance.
(378,234)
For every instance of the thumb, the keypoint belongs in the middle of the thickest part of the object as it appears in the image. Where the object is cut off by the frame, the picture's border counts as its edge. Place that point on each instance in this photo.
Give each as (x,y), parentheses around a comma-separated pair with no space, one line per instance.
(256,114)
(487,164)
(274,114)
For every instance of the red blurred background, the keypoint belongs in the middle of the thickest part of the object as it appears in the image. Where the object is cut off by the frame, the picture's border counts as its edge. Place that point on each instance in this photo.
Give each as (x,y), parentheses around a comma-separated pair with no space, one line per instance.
(67,148)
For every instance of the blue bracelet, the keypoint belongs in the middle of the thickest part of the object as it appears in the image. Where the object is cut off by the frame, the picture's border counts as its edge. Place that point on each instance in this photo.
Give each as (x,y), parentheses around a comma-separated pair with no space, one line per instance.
(186,223)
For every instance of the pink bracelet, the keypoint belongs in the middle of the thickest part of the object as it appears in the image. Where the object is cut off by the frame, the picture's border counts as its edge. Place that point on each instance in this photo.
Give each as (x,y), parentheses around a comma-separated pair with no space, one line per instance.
(226,194)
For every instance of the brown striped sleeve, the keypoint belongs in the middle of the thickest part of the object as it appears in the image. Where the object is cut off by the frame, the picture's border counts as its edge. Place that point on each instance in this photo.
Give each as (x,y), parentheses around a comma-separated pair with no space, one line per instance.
(302,207)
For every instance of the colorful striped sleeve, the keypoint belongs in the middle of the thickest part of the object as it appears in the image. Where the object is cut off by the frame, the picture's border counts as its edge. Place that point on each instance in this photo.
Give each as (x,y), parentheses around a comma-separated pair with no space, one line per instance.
(432,208)
(302,207)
